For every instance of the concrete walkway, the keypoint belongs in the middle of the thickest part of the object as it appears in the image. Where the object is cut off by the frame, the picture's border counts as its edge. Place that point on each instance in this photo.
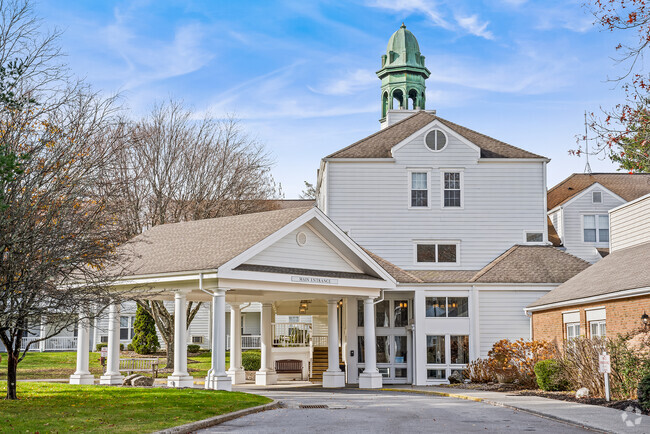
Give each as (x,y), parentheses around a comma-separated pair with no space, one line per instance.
(594,417)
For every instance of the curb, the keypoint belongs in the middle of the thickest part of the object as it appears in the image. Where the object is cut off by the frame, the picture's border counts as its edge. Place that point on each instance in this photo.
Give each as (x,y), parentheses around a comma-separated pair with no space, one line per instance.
(216,420)
(496,404)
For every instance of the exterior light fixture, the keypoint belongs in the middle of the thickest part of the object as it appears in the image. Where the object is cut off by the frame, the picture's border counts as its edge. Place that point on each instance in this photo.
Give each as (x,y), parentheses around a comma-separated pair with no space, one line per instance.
(645,319)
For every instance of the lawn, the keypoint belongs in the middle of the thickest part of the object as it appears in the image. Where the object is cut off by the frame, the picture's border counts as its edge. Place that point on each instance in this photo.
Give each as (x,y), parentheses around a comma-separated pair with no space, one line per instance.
(46,407)
(63,364)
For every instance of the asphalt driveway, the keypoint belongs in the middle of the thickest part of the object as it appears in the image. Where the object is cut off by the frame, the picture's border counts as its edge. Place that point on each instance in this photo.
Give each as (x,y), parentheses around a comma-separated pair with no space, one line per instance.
(352,410)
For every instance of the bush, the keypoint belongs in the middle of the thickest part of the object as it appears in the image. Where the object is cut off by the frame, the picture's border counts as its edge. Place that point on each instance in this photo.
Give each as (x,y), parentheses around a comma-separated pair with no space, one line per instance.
(643,393)
(480,372)
(251,360)
(145,339)
(129,347)
(104,344)
(550,376)
(514,362)
(193,348)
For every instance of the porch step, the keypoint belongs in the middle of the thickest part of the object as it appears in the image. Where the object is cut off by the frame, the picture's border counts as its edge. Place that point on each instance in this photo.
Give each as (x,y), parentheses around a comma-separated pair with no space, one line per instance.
(320,363)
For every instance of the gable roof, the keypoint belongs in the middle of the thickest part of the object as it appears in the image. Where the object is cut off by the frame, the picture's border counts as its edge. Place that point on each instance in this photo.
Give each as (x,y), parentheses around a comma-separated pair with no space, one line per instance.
(619,271)
(379,144)
(629,186)
(201,244)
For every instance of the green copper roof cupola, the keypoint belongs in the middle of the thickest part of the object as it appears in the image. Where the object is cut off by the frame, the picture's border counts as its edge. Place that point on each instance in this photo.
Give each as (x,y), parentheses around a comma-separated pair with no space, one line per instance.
(402,73)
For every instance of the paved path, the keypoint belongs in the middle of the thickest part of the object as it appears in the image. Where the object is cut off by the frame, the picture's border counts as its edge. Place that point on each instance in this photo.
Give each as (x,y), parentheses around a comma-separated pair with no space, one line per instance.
(353,410)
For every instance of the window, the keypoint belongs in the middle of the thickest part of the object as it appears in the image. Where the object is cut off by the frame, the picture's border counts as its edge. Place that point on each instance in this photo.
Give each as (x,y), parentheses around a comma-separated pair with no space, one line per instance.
(442,253)
(572,330)
(126,327)
(459,350)
(197,339)
(596,228)
(383,349)
(382,310)
(360,313)
(452,187)
(361,350)
(294,318)
(596,197)
(597,329)
(534,237)
(436,350)
(419,190)
(451,307)
(401,313)
(435,140)
(436,374)
(400,349)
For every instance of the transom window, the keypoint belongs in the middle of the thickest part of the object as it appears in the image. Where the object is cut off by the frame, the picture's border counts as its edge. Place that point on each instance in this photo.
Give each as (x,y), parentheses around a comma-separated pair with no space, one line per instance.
(572,330)
(597,329)
(437,253)
(597,196)
(452,190)
(419,190)
(449,307)
(534,237)
(436,140)
(595,228)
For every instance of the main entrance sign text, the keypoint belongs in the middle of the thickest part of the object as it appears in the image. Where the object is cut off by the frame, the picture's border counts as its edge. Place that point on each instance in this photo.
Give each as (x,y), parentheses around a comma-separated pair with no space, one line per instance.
(320,280)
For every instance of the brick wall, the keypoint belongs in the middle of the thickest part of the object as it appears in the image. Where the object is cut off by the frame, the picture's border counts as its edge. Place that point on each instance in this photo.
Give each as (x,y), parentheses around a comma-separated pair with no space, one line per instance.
(623,316)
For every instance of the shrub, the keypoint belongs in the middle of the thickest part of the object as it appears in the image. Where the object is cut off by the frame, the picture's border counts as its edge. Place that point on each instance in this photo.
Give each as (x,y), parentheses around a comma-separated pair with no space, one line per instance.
(251,360)
(129,347)
(480,372)
(101,345)
(193,348)
(550,376)
(643,392)
(145,339)
(515,361)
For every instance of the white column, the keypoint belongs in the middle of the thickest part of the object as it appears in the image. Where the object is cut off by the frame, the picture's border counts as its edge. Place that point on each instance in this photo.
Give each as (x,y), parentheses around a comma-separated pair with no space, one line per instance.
(112,374)
(82,375)
(180,377)
(217,378)
(333,377)
(266,375)
(370,378)
(236,372)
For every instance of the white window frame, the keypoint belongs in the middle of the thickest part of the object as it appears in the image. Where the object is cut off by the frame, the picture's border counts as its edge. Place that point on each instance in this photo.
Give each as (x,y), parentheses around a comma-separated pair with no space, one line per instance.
(597,323)
(410,189)
(533,242)
(130,327)
(572,325)
(593,196)
(447,366)
(442,188)
(436,243)
(597,221)
(424,140)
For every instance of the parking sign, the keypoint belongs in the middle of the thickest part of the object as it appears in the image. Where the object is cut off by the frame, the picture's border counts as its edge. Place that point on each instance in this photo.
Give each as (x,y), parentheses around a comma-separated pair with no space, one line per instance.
(604,365)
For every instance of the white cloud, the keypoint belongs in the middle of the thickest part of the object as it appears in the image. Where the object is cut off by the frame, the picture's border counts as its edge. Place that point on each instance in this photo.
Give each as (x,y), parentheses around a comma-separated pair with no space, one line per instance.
(350,83)
(474,26)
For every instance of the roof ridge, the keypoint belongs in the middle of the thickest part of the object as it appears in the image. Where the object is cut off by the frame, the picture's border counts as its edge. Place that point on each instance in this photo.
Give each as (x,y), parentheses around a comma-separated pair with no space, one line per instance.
(381,131)
(494,262)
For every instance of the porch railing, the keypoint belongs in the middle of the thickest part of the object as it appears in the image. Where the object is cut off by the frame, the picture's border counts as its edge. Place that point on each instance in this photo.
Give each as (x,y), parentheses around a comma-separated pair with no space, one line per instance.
(320,341)
(57,343)
(248,342)
(26,341)
(291,334)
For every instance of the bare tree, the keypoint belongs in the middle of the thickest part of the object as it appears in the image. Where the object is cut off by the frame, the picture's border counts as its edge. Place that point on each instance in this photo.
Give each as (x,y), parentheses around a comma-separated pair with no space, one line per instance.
(175,167)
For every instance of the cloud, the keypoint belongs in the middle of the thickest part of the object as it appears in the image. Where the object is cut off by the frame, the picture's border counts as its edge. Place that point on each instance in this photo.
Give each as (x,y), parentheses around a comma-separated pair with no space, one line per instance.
(474,27)
(350,83)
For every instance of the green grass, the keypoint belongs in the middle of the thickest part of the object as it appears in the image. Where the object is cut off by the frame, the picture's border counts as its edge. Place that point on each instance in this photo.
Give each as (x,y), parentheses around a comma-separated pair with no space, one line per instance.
(61,365)
(46,407)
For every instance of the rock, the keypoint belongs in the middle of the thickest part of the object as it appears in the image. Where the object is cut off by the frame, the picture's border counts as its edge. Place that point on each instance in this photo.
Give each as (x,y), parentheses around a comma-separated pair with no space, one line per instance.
(583,392)
(143,381)
(128,380)
(456,377)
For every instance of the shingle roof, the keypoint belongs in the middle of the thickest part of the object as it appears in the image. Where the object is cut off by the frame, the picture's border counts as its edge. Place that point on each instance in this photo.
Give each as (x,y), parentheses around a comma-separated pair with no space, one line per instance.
(444,276)
(628,186)
(379,144)
(201,244)
(398,274)
(620,270)
(305,272)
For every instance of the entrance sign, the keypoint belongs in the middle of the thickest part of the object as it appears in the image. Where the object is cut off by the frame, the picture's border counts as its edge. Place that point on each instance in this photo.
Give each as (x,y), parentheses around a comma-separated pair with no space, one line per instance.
(308,279)
(604,364)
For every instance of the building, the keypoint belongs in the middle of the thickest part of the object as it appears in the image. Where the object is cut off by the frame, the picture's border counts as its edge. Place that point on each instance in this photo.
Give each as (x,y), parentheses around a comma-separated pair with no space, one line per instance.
(612,297)
(427,242)
(578,209)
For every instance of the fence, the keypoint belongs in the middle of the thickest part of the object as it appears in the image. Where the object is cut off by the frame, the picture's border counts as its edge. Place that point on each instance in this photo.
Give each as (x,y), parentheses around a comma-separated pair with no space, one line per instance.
(248,342)
(291,334)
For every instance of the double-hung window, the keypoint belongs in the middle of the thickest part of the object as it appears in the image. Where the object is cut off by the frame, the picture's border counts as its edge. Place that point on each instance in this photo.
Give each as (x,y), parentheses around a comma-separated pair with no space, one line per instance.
(595,228)
(419,190)
(597,329)
(572,330)
(126,327)
(452,187)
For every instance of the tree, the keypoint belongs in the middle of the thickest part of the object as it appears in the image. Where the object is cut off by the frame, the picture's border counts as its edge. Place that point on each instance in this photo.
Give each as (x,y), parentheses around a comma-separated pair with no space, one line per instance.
(621,132)
(309,192)
(175,167)
(145,339)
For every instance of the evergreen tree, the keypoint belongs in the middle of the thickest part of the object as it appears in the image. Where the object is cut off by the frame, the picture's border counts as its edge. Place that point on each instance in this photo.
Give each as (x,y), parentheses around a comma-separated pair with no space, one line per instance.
(145,339)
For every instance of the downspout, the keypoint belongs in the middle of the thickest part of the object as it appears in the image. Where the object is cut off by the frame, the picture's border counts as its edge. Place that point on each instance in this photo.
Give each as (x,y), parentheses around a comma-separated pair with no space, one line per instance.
(381,298)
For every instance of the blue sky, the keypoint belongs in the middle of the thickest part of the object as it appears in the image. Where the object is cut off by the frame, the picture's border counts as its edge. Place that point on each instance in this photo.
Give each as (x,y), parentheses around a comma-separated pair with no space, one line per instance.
(300,74)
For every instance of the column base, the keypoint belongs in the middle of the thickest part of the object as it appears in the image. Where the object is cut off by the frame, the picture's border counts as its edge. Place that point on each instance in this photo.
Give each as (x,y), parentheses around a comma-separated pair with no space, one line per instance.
(111,379)
(333,379)
(180,381)
(266,378)
(370,380)
(82,379)
(238,376)
(218,382)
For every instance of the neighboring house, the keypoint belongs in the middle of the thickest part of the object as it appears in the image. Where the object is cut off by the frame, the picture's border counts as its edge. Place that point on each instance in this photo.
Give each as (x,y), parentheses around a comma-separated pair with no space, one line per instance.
(578,209)
(609,298)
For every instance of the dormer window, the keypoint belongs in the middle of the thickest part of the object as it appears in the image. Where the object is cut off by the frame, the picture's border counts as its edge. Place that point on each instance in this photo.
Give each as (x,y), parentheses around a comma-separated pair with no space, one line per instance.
(596,197)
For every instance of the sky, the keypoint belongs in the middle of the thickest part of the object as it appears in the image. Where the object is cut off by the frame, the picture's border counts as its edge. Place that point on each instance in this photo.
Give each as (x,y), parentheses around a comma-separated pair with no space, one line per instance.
(301,74)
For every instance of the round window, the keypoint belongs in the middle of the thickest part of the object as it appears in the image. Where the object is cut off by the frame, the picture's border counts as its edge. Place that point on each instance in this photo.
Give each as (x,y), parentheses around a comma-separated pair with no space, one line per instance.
(301,238)
(435,140)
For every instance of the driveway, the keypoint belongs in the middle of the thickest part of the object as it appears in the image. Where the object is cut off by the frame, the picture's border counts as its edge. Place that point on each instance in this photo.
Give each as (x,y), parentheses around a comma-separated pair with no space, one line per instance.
(353,410)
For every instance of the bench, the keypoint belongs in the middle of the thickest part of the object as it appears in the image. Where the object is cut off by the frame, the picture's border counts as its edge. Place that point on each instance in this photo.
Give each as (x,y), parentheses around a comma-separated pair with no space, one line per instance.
(289,367)
(144,364)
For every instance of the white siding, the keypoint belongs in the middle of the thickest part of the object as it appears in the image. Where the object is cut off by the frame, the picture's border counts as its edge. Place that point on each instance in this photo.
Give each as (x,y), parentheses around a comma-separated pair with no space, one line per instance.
(200,325)
(630,225)
(573,227)
(556,219)
(315,254)
(501,201)
(501,316)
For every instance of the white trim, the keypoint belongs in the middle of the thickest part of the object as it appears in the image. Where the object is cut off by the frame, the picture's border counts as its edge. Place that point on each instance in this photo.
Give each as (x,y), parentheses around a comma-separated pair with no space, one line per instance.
(461,172)
(570,311)
(435,124)
(585,191)
(627,293)
(410,172)
(595,308)
(436,264)
(596,243)
(534,243)
(593,193)
(341,255)
(545,220)
(424,140)
(359,160)
(514,160)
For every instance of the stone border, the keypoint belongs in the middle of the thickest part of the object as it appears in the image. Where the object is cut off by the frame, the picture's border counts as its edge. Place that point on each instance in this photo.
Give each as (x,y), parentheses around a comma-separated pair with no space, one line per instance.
(216,420)
(496,404)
